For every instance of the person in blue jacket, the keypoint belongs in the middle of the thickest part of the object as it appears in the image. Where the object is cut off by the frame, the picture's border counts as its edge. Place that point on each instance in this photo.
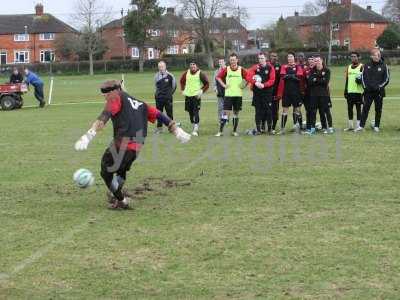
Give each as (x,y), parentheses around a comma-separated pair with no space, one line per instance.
(34,80)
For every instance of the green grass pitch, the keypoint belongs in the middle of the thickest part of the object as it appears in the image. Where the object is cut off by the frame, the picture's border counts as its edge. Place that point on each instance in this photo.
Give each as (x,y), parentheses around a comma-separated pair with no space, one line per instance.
(284,217)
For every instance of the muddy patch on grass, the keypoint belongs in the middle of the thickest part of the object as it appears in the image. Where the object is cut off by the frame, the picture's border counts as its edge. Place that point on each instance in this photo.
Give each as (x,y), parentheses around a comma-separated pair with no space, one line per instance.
(155,186)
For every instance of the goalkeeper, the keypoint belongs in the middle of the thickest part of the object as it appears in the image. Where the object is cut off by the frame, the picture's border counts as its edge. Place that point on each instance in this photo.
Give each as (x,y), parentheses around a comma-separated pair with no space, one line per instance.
(129,117)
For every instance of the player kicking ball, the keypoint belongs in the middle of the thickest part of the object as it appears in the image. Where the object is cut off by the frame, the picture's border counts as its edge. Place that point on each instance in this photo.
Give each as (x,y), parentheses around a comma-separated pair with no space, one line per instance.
(129,117)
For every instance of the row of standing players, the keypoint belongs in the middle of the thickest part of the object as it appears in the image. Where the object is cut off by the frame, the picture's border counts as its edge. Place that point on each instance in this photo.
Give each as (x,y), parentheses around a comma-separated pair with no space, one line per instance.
(292,84)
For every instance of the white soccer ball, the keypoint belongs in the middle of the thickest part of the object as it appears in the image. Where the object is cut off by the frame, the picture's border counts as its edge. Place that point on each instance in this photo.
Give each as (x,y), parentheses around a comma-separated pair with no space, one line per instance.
(83,178)
(257,78)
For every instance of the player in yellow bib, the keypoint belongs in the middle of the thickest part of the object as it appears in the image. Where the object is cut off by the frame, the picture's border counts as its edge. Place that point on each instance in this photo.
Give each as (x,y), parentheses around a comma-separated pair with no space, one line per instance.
(193,84)
(233,80)
(353,91)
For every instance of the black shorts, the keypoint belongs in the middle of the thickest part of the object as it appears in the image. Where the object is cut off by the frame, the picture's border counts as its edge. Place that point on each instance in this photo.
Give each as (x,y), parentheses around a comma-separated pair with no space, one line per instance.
(192,104)
(320,102)
(262,102)
(114,161)
(233,103)
(292,100)
(353,98)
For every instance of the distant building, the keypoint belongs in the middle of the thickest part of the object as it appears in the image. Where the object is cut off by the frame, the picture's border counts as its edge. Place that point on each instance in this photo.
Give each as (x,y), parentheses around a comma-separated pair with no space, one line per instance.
(353,26)
(30,38)
(118,47)
(183,37)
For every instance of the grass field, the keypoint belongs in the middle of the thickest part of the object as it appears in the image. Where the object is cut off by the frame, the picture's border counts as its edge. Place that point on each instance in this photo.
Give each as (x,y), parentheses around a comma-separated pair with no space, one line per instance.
(284,217)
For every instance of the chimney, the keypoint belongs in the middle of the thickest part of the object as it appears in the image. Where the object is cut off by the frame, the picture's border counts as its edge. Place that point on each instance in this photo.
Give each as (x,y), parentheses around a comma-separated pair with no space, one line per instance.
(369,7)
(296,13)
(171,10)
(346,3)
(39,9)
(224,15)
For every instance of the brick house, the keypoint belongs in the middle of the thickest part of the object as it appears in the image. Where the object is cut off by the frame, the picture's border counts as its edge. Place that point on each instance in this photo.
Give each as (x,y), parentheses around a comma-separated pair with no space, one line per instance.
(229,29)
(30,38)
(118,47)
(180,29)
(353,26)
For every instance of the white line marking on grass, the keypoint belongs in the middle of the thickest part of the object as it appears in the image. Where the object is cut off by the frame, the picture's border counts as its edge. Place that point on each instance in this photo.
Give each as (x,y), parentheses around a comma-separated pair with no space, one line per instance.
(46,249)
(178,101)
(43,251)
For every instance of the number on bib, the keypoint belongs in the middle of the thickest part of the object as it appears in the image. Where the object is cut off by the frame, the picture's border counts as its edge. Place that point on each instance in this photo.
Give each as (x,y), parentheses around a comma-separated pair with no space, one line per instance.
(135,104)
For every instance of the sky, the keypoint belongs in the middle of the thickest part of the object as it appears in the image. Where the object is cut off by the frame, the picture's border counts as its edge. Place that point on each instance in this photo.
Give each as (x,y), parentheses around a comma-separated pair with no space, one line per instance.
(261,12)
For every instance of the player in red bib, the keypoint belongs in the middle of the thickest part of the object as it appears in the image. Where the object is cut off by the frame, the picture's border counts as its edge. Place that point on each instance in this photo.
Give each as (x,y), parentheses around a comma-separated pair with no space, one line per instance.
(291,91)
(129,117)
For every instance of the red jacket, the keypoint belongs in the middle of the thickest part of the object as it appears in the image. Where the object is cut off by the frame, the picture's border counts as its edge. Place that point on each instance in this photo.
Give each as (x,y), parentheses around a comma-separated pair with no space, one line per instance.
(299,73)
(253,70)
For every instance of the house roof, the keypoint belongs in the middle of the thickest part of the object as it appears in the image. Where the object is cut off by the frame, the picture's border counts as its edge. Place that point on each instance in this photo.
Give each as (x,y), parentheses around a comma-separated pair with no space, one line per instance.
(227,22)
(344,14)
(294,21)
(11,24)
(166,21)
(172,20)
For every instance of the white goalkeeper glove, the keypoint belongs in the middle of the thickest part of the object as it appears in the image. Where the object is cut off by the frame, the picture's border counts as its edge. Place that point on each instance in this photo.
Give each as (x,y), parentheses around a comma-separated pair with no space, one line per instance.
(83,142)
(181,135)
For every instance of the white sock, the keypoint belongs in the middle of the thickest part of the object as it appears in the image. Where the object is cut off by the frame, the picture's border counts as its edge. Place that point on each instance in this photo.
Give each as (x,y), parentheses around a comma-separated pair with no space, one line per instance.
(351,124)
(125,201)
(196,127)
(358,123)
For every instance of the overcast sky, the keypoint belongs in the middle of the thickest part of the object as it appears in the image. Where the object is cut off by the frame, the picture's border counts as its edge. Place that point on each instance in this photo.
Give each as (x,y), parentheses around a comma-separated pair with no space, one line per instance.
(261,12)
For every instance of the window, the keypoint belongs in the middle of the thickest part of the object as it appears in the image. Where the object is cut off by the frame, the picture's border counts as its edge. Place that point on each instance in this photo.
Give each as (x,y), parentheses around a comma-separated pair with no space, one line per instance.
(233,30)
(316,28)
(46,36)
(135,52)
(185,50)
(21,56)
(173,50)
(150,53)
(372,25)
(46,56)
(335,27)
(3,57)
(264,45)
(21,37)
(172,33)
(235,42)
(155,33)
(335,42)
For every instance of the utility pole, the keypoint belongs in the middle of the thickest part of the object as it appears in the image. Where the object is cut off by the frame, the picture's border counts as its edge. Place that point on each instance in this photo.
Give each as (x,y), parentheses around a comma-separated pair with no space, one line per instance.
(330,32)
(123,35)
(330,43)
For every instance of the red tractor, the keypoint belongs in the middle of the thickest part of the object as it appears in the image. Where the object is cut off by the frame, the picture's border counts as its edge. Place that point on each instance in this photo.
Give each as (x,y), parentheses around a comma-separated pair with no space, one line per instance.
(11,95)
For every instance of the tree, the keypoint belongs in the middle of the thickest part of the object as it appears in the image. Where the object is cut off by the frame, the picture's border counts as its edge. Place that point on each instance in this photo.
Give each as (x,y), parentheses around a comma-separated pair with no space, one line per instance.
(66,45)
(314,8)
(285,38)
(391,10)
(139,24)
(318,40)
(90,15)
(202,13)
(390,38)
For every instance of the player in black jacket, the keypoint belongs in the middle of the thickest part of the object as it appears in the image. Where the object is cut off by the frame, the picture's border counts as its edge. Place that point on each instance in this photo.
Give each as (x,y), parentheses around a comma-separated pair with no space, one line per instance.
(319,96)
(273,60)
(375,77)
(165,85)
